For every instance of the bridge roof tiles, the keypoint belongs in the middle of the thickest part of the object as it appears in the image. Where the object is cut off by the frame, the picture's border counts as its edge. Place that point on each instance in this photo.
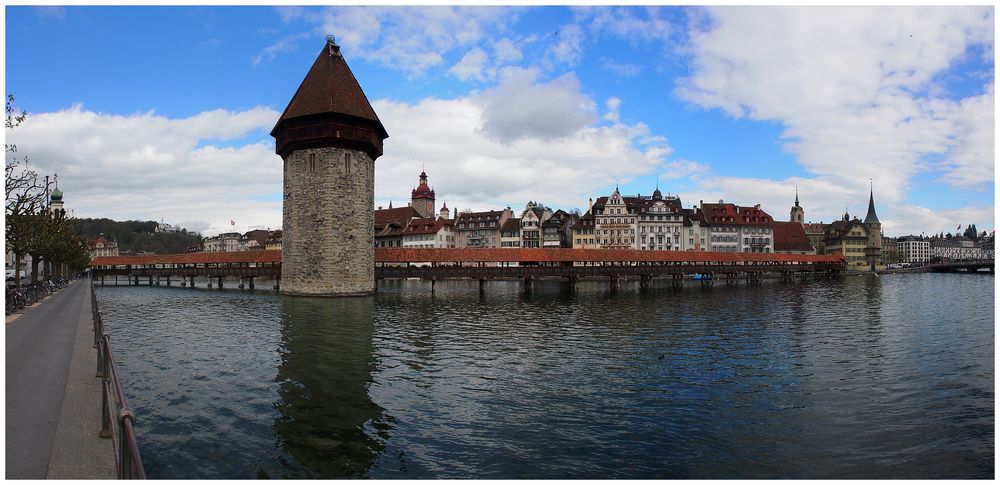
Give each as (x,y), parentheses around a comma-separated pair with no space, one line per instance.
(402,255)
(271,256)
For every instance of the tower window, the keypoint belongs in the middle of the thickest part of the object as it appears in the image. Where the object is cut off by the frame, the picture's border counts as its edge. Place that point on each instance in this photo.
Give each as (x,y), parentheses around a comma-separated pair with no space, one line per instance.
(312,162)
(347,163)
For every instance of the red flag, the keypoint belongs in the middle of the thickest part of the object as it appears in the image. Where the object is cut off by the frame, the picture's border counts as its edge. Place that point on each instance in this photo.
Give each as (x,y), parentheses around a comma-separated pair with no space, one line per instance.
(232,222)
(959,227)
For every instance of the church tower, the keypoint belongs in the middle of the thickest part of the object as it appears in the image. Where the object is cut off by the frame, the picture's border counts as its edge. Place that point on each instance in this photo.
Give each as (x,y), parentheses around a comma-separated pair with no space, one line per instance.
(873,248)
(328,138)
(798,214)
(56,201)
(422,197)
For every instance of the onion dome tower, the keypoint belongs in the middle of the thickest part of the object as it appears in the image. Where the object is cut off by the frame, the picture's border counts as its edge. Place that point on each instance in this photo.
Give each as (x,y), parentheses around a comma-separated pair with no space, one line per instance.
(328,138)
(422,197)
(56,200)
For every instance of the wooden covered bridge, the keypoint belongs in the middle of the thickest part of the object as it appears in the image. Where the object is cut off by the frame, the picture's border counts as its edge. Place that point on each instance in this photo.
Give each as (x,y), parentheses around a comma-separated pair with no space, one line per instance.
(482,264)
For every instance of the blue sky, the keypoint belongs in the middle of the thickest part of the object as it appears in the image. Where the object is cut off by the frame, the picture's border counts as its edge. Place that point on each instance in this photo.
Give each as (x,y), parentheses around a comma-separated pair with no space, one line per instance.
(164,112)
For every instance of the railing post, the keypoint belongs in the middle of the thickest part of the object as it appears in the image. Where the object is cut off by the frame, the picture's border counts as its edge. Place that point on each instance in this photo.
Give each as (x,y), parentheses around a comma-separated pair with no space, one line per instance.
(105,408)
(126,464)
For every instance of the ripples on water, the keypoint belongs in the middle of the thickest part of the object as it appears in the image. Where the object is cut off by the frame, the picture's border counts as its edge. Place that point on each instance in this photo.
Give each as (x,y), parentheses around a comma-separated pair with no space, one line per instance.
(859,377)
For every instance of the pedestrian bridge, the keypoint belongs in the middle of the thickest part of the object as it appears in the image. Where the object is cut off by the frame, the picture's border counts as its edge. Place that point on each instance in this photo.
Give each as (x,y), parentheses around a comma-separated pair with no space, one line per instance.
(482,264)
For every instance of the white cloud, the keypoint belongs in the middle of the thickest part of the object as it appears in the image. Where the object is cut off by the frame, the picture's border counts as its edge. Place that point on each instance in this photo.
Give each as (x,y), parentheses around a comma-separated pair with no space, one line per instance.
(568,46)
(505,51)
(826,199)
(268,54)
(613,104)
(472,168)
(622,69)
(410,39)
(521,107)
(147,166)
(854,87)
(472,66)
(630,23)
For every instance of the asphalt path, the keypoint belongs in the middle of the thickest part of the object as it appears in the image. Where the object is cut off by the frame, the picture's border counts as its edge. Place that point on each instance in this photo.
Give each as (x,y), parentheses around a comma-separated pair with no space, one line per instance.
(40,347)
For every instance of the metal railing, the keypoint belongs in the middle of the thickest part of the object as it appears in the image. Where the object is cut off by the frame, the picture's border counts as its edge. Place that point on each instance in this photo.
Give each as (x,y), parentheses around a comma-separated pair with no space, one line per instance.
(116,416)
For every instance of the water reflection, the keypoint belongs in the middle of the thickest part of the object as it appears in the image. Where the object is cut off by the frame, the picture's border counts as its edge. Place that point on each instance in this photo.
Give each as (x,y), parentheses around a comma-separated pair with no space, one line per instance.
(327,421)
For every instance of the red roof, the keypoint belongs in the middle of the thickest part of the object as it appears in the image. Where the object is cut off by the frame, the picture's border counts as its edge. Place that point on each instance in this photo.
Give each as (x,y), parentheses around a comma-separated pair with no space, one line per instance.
(426,225)
(401,216)
(736,215)
(790,236)
(402,255)
(272,256)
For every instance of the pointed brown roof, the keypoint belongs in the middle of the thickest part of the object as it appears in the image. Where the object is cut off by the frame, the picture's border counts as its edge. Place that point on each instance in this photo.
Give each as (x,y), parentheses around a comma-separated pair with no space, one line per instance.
(330,87)
(329,109)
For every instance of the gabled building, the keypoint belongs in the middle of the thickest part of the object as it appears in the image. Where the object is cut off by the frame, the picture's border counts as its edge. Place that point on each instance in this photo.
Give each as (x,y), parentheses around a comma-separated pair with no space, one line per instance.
(102,246)
(532,218)
(510,233)
(661,221)
(583,232)
(391,223)
(738,229)
(480,229)
(616,221)
(273,241)
(428,232)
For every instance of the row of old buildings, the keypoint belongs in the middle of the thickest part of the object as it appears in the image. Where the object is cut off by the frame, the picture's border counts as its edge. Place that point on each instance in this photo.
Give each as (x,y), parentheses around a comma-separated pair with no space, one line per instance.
(655,222)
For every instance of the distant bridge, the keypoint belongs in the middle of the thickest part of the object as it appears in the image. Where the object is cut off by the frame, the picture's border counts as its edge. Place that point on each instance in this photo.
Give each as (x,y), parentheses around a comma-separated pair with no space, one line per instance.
(962,266)
(483,264)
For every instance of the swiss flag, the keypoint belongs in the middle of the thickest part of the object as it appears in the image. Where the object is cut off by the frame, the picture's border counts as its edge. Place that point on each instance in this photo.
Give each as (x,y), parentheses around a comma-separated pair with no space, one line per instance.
(232,222)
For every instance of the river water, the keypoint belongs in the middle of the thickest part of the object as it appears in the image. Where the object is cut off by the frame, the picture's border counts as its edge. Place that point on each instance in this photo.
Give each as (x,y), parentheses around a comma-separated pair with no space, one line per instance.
(862,376)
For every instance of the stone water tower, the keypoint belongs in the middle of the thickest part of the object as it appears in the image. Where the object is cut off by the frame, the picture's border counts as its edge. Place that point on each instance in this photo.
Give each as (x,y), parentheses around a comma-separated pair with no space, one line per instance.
(328,137)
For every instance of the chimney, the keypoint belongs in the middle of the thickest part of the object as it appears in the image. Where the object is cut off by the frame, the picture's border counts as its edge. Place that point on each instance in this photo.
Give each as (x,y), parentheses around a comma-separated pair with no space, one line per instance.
(590,204)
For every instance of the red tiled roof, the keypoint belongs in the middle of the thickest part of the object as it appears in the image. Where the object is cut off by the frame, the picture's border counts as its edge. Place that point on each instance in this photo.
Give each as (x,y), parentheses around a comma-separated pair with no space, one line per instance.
(402,255)
(790,236)
(737,215)
(425,225)
(399,215)
(272,256)
(330,87)
(396,255)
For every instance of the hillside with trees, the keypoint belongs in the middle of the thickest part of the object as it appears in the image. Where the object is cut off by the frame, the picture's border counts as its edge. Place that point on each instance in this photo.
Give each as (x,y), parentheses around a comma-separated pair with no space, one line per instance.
(136,236)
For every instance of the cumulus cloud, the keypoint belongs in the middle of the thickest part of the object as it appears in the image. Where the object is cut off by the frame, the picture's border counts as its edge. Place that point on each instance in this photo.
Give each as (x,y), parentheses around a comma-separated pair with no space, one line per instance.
(474,168)
(196,169)
(410,39)
(472,65)
(855,88)
(521,107)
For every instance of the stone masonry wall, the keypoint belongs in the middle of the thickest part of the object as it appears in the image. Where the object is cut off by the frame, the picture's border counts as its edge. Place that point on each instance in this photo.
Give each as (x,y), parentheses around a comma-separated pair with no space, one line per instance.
(328,223)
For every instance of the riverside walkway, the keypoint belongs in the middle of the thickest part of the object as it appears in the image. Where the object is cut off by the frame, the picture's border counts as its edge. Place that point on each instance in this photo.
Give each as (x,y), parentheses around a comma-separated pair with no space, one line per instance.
(53,397)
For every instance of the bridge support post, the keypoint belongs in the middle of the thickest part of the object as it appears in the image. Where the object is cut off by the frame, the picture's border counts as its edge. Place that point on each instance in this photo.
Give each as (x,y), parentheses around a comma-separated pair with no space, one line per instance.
(157,280)
(432,285)
(241,284)
(209,282)
(220,282)
(277,285)
(482,286)
(527,284)
(251,282)
(168,280)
